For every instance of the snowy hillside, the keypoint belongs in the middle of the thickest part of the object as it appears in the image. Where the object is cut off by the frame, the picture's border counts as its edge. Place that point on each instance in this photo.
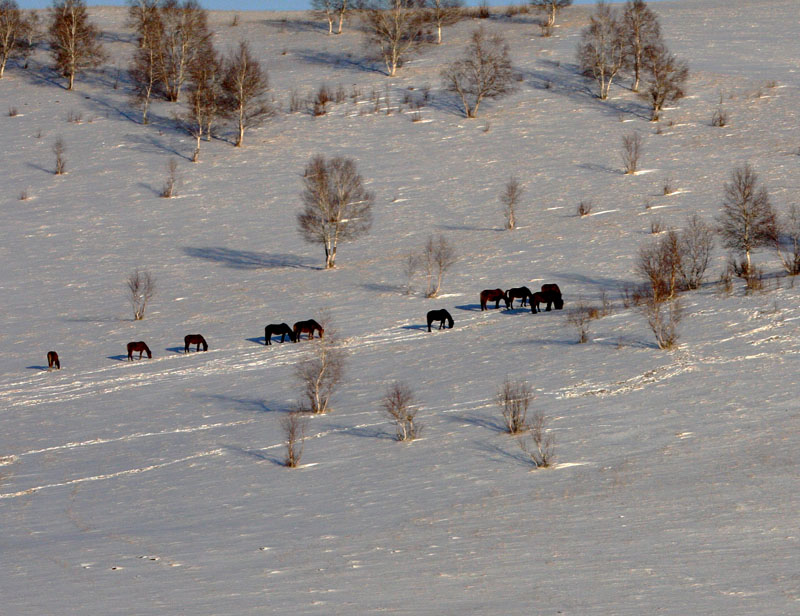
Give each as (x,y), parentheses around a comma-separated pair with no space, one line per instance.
(157,487)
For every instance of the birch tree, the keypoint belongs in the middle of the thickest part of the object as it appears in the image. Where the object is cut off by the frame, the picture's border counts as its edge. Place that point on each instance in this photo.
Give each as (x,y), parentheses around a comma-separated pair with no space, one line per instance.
(74,40)
(245,87)
(601,52)
(14,31)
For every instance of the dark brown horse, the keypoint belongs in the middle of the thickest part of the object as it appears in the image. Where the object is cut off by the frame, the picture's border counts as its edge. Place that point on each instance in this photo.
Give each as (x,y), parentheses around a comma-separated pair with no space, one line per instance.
(194,339)
(441,316)
(521,293)
(138,346)
(549,295)
(494,295)
(276,329)
(52,361)
(307,327)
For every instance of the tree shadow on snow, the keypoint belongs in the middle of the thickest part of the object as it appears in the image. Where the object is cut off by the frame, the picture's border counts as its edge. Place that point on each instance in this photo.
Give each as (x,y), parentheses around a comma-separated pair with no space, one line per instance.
(498,454)
(254,453)
(251,405)
(244,259)
(480,422)
(383,288)
(338,60)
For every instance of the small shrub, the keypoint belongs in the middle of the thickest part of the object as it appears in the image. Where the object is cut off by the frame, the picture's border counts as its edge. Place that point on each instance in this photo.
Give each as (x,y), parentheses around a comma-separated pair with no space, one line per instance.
(631,152)
(12,112)
(606,307)
(294,426)
(545,28)
(38,134)
(726,281)
(483,11)
(539,443)
(321,100)
(23,195)
(584,208)
(663,319)
(719,118)
(74,117)
(656,226)
(169,189)
(514,398)
(234,22)
(59,149)
(399,405)
(754,279)
(579,317)
(667,188)
(340,95)
(296,102)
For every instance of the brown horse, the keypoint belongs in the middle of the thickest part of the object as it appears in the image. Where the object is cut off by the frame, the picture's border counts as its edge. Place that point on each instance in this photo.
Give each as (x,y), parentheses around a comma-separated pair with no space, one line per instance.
(549,295)
(307,327)
(194,339)
(138,346)
(276,329)
(521,293)
(52,361)
(441,316)
(494,295)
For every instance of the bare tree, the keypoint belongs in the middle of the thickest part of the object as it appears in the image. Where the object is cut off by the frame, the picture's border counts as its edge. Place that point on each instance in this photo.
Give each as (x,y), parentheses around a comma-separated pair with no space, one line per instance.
(320,375)
(747,220)
(326,9)
(641,30)
(539,444)
(659,263)
(145,66)
(483,72)
(550,8)
(787,241)
(514,398)
(510,197)
(400,406)
(14,32)
(142,288)
(185,39)
(696,243)
(443,13)
(631,151)
(394,29)
(204,102)
(294,425)
(74,40)
(579,318)
(245,86)
(337,206)
(168,191)
(438,256)
(665,78)
(59,149)
(601,51)
(663,319)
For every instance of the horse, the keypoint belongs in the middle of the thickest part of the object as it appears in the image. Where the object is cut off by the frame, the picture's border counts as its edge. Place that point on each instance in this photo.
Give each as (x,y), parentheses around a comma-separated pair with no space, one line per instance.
(494,295)
(52,360)
(523,293)
(138,346)
(549,295)
(277,328)
(441,316)
(194,339)
(307,327)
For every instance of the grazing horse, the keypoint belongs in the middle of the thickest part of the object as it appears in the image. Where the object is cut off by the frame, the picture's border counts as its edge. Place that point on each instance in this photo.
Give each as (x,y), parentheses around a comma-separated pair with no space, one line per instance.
(521,293)
(52,360)
(441,316)
(194,339)
(549,295)
(307,327)
(494,295)
(275,329)
(138,346)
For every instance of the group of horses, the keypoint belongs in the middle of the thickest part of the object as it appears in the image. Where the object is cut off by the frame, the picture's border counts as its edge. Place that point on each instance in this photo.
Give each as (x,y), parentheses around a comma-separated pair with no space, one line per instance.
(282,329)
(550,295)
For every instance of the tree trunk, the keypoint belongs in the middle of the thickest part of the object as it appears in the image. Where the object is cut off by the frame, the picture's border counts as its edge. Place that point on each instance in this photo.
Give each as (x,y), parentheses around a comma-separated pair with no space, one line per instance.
(439,34)
(341,21)
(71,77)
(2,67)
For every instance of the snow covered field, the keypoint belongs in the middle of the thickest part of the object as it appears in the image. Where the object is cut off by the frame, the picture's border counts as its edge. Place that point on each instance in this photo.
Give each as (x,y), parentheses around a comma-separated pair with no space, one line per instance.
(157,487)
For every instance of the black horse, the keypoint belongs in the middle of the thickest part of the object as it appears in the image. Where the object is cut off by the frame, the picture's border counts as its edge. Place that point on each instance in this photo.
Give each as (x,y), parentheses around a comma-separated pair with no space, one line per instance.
(52,361)
(494,295)
(194,339)
(549,295)
(307,327)
(521,293)
(441,316)
(138,346)
(276,329)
